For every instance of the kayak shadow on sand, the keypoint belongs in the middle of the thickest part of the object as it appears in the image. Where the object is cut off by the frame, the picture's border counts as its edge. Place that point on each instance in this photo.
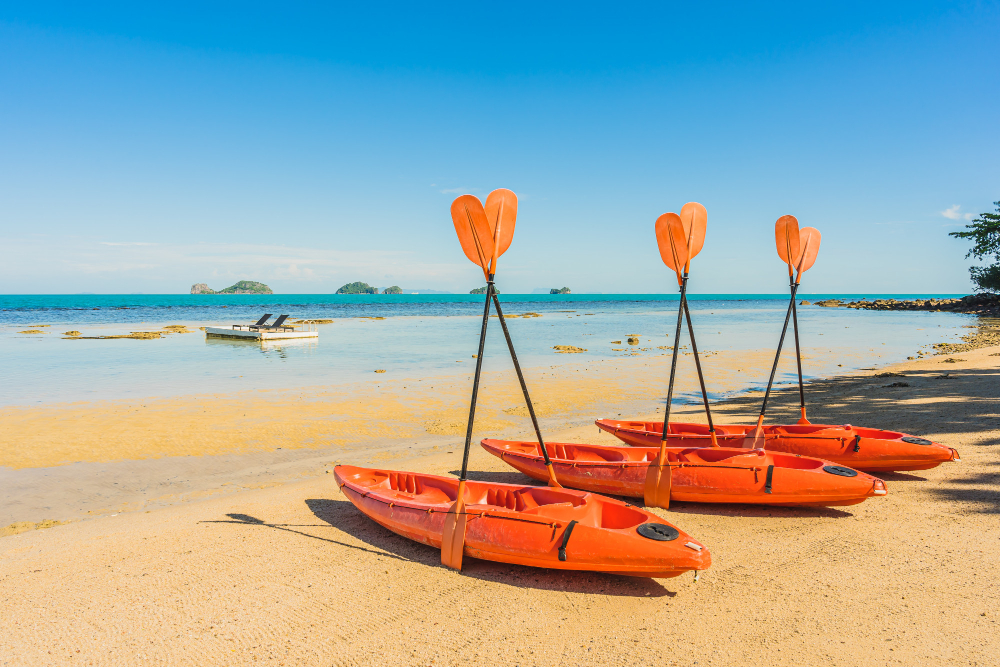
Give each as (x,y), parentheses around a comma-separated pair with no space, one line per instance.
(899,477)
(755,511)
(499,477)
(342,515)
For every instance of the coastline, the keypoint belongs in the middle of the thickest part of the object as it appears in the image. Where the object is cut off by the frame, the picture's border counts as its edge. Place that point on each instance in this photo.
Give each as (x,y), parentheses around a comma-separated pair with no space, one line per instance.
(292,573)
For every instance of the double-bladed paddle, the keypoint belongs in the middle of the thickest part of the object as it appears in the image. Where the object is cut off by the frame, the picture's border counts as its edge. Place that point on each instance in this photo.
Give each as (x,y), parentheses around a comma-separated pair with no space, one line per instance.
(485,233)
(798,249)
(679,238)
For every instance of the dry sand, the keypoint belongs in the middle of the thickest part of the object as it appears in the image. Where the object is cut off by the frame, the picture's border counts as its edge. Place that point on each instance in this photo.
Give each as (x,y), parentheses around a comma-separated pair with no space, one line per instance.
(293,574)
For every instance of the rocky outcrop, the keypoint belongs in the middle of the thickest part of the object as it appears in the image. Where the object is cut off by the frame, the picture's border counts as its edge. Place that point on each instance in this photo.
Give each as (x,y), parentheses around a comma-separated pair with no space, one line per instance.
(357,287)
(242,287)
(564,290)
(395,289)
(979,304)
(482,290)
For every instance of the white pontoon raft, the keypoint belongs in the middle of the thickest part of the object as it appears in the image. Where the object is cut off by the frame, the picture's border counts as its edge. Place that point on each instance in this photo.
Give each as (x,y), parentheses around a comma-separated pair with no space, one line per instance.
(260,330)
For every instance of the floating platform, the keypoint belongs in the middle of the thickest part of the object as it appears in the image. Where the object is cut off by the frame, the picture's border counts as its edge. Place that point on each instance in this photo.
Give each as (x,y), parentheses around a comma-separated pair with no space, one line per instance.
(256,334)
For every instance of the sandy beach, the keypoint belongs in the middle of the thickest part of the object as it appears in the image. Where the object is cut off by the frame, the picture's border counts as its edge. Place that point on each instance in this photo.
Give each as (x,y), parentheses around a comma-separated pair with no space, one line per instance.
(207,530)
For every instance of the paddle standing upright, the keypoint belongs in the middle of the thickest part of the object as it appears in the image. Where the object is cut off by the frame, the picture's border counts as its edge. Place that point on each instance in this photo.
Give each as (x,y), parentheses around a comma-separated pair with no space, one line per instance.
(485,233)
(799,258)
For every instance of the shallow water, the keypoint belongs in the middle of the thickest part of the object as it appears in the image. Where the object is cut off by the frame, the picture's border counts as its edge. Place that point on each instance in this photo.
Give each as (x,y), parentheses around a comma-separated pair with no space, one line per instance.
(418,338)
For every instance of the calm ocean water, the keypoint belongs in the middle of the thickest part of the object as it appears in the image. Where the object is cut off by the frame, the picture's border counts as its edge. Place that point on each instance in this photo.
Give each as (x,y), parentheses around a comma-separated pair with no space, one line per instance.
(422,335)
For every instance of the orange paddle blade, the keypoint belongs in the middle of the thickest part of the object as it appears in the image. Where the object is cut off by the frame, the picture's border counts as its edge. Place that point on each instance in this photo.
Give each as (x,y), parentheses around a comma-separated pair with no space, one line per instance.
(695,219)
(656,491)
(786,236)
(809,238)
(473,230)
(453,533)
(501,213)
(672,241)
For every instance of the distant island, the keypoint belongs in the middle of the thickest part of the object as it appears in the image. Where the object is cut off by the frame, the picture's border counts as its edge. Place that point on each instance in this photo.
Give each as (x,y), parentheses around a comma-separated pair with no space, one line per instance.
(242,287)
(358,287)
(395,289)
(564,290)
(482,290)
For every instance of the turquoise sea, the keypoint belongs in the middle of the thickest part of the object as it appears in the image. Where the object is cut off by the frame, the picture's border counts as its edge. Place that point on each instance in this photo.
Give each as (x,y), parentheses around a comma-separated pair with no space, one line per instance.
(421,335)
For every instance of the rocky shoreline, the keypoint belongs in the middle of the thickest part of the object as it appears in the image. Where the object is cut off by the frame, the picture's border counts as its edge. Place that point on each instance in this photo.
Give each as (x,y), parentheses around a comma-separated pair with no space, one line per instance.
(978,304)
(985,334)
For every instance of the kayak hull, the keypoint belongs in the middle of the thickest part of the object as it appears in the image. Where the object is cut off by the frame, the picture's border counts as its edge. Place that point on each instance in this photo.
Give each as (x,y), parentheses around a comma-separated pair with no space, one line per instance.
(524,525)
(867,449)
(700,475)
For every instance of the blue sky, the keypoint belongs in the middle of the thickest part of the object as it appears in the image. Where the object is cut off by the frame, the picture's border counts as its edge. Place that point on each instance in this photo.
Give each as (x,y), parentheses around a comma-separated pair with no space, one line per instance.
(145,149)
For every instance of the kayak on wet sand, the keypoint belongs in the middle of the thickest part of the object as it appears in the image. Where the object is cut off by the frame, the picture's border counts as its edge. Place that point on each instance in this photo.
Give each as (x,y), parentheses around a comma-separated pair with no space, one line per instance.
(540,526)
(697,474)
(867,449)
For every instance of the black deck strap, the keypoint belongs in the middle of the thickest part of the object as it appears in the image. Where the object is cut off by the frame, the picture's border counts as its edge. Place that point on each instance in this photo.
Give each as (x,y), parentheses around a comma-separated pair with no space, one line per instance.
(857,443)
(770,476)
(569,531)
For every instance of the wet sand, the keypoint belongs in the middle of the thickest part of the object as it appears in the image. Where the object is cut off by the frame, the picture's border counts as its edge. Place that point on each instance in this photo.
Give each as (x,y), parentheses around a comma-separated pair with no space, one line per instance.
(293,574)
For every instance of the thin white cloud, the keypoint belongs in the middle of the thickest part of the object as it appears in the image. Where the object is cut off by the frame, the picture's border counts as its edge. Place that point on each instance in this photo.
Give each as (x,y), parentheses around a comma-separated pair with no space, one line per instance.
(955,213)
(175,266)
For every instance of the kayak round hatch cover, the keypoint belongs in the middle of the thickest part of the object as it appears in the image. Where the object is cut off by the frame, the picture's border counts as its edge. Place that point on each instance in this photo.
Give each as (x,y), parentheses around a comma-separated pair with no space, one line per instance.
(841,470)
(917,441)
(660,532)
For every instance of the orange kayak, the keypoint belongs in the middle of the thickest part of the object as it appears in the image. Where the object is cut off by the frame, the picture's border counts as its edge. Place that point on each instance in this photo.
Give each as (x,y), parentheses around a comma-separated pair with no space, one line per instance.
(561,529)
(868,449)
(698,474)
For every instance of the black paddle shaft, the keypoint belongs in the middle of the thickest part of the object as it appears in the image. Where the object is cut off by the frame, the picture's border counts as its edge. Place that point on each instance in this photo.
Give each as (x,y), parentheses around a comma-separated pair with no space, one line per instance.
(697,363)
(475,382)
(793,286)
(777,355)
(520,378)
(673,360)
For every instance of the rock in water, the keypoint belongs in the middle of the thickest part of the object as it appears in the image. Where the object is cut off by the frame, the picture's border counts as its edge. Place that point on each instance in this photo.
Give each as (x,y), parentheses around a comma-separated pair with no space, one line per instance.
(357,287)
(242,287)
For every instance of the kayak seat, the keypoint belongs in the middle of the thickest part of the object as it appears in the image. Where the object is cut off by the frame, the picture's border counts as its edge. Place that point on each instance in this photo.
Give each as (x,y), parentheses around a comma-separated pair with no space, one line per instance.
(414,486)
(405,482)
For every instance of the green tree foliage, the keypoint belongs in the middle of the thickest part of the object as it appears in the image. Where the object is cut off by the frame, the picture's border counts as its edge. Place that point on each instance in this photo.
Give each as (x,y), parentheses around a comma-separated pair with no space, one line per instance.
(482,290)
(357,287)
(564,290)
(985,232)
(247,287)
(395,289)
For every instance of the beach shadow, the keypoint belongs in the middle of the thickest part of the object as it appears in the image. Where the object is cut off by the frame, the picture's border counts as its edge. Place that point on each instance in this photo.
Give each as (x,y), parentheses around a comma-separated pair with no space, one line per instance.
(342,515)
(247,520)
(499,477)
(981,490)
(862,402)
(757,511)
(898,477)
